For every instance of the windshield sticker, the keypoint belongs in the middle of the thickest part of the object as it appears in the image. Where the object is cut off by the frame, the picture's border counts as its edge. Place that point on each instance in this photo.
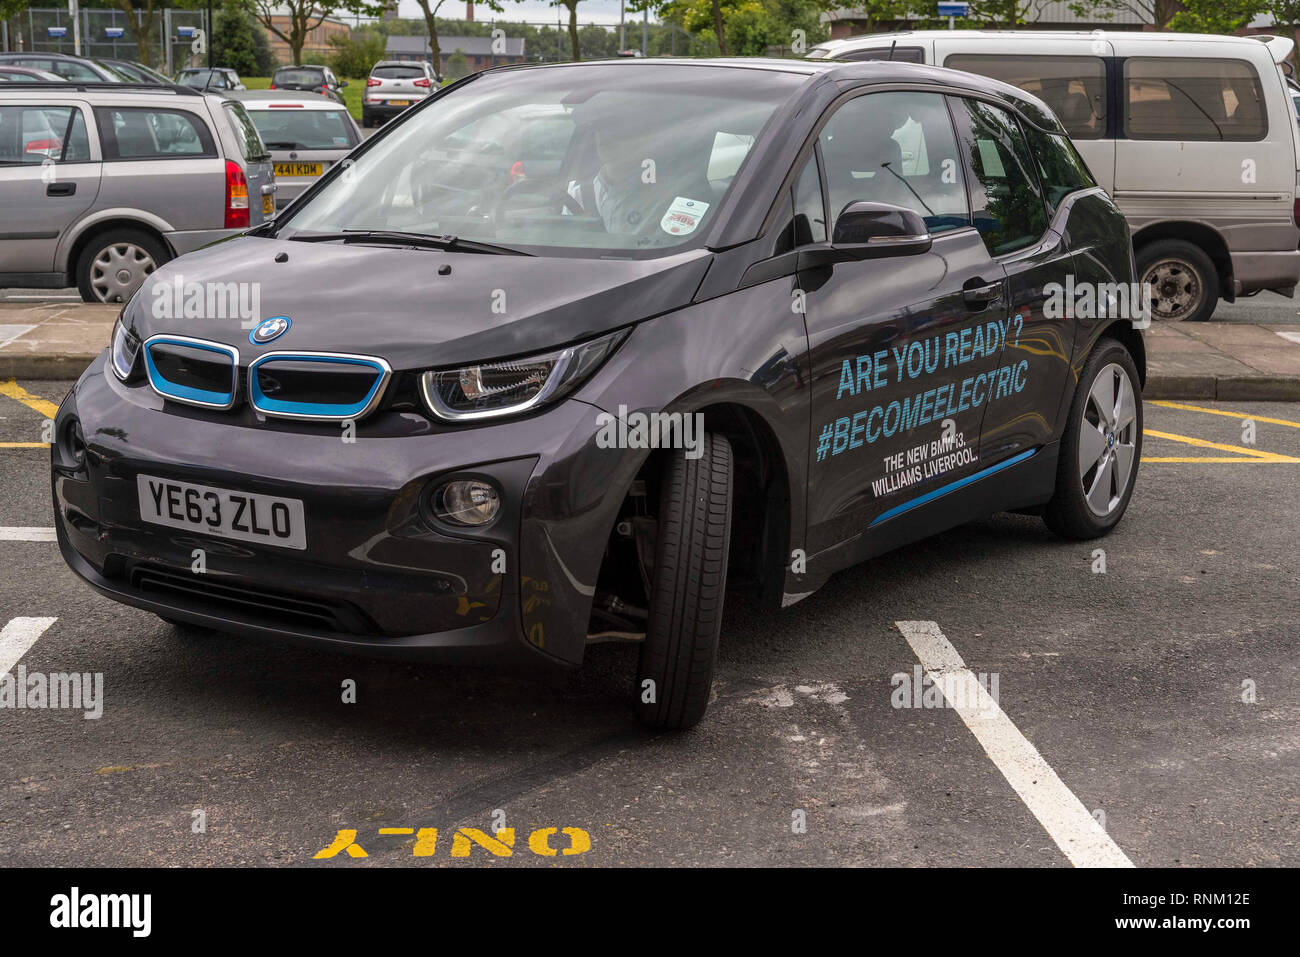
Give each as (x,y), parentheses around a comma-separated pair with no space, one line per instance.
(683,216)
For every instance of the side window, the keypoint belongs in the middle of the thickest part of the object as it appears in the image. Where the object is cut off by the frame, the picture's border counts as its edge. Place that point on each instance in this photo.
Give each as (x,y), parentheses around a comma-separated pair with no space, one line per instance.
(1060,167)
(1188,98)
(809,210)
(1073,86)
(1005,198)
(896,148)
(144,133)
(33,134)
(74,71)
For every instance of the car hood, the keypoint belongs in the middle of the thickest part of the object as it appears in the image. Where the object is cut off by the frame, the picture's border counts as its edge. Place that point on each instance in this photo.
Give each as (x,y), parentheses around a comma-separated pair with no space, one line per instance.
(394,303)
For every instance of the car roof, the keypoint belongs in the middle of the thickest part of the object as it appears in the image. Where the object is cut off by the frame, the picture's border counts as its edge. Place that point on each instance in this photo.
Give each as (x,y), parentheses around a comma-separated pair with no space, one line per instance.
(106,93)
(312,101)
(863,72)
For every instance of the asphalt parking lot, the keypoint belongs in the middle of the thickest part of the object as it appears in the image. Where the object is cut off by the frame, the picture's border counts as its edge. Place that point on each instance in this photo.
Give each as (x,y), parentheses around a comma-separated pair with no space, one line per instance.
(1127,683)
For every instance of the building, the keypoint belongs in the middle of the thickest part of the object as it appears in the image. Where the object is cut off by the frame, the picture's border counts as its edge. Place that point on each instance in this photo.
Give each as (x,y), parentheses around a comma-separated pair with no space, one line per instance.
(477,50)
(317,47)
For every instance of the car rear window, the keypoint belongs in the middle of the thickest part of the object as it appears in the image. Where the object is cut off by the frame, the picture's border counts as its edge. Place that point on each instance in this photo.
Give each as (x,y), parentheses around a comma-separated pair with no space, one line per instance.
(397,72)
(1073,86)
(288,128)
(250,141)
(299,77)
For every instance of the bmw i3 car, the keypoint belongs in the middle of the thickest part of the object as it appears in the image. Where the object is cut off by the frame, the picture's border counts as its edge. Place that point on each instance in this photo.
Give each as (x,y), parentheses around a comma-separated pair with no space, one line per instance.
(710,329)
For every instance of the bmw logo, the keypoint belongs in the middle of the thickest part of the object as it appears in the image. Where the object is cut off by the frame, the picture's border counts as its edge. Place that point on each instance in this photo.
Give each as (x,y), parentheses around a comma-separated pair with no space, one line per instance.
(269,329)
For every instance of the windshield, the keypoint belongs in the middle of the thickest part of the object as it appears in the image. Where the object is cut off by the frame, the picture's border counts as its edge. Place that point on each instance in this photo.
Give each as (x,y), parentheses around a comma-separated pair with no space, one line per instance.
(288,128)
(603,158)
(397,72)
(212,79)
(250,141)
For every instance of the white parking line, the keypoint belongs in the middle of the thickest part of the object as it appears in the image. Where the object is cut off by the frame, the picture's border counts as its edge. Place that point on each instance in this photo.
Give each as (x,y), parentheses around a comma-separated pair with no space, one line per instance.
(8,333)
(1062,815)
(20,534)
(1290,336)
(19,635)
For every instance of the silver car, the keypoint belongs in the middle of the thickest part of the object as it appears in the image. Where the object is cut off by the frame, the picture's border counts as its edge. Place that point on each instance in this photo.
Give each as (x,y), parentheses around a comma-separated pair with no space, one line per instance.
(102,184)
(305,132)
(392,86)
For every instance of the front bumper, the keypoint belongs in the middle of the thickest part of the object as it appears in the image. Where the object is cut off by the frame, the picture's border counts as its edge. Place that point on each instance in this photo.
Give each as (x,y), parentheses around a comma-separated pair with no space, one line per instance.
(380,576)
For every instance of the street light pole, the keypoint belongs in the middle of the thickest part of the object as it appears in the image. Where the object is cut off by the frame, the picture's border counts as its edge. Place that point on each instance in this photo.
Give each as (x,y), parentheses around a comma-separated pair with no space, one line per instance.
(622,37)
(210,37)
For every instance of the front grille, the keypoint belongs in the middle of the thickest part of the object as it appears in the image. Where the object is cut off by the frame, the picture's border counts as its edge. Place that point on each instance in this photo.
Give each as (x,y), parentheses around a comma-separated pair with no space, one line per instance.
(300,385)
(258,605)
(192,371)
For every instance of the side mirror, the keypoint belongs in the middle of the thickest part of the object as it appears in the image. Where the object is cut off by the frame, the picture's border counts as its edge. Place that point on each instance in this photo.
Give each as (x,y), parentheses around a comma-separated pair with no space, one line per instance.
(874,230)
(342,84)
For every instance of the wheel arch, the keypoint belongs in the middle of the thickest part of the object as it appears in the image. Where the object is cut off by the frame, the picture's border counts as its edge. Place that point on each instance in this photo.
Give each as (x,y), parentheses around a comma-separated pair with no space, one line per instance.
(93,230)
(1206,237)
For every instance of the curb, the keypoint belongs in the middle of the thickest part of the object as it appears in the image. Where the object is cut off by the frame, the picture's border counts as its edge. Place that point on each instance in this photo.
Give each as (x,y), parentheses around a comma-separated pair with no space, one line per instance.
(44,366)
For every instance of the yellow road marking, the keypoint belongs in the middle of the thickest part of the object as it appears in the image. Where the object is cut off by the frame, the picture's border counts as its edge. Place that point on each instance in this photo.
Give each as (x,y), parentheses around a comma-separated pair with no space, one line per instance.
(24,445)
(1223,412)
(12,389)
(1248,455)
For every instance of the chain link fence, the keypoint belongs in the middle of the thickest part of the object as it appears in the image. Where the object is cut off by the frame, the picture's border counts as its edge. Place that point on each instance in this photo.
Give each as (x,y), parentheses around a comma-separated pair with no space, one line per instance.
(109,34)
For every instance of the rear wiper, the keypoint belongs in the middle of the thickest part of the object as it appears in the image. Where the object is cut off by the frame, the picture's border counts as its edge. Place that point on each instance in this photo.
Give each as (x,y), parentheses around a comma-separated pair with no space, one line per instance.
(398,237)
(283,145)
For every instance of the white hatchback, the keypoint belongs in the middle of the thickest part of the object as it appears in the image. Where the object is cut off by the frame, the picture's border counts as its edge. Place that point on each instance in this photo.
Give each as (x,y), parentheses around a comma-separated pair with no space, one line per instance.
(306,134)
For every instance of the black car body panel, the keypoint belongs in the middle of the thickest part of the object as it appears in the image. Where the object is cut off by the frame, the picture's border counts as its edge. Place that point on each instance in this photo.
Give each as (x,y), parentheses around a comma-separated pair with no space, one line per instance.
(710,328)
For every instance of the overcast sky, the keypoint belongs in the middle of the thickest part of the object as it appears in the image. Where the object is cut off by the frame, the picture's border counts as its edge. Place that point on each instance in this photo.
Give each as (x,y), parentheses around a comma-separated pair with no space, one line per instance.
(535,11)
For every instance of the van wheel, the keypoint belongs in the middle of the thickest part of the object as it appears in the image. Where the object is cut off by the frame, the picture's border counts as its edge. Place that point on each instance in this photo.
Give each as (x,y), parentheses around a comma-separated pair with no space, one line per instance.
(687,586)
(1101,448)
(116,263)
(1184,282)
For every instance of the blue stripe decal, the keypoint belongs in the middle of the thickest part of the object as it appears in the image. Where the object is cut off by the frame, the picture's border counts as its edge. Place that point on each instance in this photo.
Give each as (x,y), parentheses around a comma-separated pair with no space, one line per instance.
(177,391)
(951,487)
(264,403)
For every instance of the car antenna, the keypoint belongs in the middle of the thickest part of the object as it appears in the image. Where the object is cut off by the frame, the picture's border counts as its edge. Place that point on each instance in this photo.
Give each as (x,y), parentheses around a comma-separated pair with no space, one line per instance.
(892,44)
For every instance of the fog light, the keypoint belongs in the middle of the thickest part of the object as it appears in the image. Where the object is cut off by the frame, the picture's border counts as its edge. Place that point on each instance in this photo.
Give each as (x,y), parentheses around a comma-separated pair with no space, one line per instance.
(74,443)
(466,502)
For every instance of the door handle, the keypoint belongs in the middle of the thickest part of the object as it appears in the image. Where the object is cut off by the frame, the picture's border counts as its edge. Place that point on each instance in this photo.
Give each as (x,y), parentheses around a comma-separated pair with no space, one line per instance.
(61,189)
(978,294)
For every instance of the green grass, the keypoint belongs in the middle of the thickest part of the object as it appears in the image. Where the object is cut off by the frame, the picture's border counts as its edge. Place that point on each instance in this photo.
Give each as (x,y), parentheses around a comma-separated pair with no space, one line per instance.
(351,93)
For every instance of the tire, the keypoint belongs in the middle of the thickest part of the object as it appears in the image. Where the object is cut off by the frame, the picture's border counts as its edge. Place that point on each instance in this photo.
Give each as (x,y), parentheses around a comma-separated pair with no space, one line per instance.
(366,121)
(688,583)
(1184,281)
(1086,504)
(135,252)
(184,628)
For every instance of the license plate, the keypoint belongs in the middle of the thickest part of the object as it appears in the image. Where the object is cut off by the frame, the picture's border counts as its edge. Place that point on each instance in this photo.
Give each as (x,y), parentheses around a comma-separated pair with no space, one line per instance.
(268,205)
(222,512)
(297,169)
(399,102)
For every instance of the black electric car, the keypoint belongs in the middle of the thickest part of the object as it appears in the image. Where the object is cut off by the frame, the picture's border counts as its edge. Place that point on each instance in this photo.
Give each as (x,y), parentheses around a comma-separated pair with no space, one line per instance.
(565,353)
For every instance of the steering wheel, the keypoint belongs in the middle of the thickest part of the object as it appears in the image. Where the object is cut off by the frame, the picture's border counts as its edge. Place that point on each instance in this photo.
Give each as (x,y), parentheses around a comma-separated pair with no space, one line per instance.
(527,188)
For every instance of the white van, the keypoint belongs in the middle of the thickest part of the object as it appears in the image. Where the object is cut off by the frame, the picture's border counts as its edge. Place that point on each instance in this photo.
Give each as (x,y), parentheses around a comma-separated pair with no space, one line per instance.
(1194,136)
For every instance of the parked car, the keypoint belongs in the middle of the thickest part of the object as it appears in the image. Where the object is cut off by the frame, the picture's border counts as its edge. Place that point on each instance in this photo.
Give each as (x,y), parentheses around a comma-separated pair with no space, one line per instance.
(827,352)
(217,78)
(309,79)
(1194,136)
(305,132)
(27,74)
(135,72)
(140,175)
(75,68)
(393,85)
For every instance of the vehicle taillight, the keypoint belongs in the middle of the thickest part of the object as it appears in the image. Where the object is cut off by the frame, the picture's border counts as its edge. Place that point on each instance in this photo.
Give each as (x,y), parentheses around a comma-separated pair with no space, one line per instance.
(422,82)
(236,197)
(324,87)
(373,82)
(271,87)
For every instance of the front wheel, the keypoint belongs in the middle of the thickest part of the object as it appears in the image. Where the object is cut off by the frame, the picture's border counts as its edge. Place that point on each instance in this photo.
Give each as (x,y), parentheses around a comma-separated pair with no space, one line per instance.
(675,673)
(1101,448)
(1183,280)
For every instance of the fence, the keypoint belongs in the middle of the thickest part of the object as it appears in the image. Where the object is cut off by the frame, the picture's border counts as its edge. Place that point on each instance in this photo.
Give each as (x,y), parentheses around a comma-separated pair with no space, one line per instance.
(107,33)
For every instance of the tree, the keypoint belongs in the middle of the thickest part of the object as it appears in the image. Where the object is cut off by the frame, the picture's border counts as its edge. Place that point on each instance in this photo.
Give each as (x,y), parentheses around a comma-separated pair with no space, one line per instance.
(238,42)
(299,17)
(1156,12)
(457,65)
(356,53)
(144,21)
(572,7)
(1215,16)
(1286,14)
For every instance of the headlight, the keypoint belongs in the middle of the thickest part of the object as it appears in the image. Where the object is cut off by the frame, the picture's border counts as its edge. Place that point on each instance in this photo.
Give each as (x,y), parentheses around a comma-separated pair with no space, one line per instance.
(494,389)
(126,347)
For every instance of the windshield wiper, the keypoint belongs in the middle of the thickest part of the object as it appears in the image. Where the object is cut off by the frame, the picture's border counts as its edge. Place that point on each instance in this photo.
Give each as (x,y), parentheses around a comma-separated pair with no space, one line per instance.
(283,145)
(420,240)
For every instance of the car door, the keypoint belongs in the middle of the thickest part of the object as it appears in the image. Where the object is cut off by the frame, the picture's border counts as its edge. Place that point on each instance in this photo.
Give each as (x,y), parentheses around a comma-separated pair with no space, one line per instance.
(49,176)
(1011,215)
(901,348)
